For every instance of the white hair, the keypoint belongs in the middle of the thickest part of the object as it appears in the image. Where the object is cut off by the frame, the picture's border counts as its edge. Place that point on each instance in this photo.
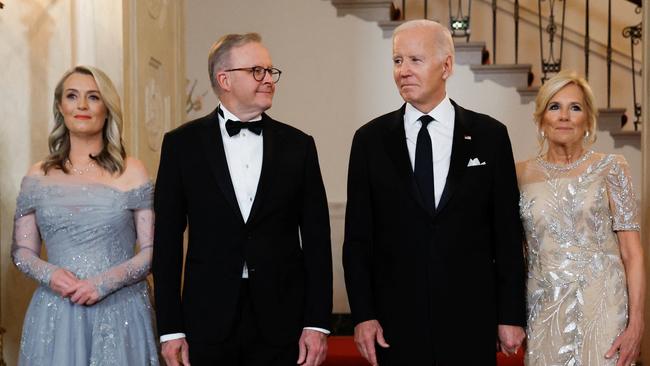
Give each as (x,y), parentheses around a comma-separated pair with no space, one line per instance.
(442,36)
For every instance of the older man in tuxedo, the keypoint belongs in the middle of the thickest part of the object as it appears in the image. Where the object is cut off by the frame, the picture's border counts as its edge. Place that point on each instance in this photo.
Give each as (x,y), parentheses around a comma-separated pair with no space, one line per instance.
(433,241)
(257,284)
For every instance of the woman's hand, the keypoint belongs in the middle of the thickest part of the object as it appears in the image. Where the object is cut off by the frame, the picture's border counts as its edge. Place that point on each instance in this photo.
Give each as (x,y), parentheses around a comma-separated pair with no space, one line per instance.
(85,293)
(63,282)
(628,344)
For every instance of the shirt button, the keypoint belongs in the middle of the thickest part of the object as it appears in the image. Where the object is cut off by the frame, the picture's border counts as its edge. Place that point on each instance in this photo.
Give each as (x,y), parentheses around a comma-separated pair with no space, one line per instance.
(250,199)
(246,166)
(243,134)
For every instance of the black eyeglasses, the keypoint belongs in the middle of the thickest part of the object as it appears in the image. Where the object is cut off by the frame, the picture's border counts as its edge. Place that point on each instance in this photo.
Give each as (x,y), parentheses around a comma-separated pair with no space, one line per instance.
(259,73)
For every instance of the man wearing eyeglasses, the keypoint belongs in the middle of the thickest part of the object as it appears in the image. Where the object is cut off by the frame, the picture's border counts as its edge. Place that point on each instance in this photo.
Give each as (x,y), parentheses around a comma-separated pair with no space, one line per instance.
(257,283)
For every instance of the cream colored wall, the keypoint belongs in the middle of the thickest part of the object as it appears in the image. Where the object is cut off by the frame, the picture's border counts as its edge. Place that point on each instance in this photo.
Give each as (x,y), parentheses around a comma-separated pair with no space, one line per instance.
(336,77)
(36,46)
(334,69)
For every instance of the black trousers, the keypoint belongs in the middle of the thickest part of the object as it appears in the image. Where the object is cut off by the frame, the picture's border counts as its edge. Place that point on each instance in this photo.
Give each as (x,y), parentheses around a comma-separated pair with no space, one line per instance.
(245,346)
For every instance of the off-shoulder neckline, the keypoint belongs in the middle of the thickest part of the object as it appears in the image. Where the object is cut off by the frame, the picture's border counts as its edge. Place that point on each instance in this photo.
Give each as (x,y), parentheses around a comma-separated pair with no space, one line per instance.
(41,178)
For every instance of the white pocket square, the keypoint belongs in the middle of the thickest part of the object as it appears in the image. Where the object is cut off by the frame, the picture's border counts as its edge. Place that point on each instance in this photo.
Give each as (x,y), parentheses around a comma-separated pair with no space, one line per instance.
(475,162)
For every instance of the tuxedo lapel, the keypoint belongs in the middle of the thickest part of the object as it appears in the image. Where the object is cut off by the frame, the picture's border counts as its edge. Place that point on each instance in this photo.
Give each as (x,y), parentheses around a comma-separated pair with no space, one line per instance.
(269,135)
(460,154)
(395,140)
(216,156)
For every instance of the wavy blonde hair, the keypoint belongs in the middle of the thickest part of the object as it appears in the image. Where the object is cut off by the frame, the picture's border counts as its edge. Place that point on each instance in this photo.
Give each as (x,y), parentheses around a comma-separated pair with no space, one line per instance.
(113,154)
(552,87)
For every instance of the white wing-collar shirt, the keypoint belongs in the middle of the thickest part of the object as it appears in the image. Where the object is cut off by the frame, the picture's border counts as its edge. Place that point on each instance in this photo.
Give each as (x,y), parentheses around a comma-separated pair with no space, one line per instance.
(244,154)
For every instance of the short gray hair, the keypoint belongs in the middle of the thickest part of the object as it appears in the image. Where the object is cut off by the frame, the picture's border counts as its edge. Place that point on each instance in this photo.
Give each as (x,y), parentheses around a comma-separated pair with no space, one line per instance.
(442,35)
(219,56)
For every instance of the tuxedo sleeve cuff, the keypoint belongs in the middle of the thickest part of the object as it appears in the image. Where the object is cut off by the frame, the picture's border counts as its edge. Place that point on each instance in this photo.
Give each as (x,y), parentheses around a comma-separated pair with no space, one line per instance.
(325,331)
(170,337)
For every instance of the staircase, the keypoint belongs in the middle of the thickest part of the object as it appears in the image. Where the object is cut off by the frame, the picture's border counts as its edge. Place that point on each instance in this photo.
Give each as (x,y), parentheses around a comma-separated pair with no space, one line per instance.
(514,76)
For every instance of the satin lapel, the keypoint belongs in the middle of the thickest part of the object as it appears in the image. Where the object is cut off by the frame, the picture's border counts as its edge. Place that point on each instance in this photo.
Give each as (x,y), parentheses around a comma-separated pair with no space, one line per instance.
(395,140)
(269,135)
(460,155)
(216,156)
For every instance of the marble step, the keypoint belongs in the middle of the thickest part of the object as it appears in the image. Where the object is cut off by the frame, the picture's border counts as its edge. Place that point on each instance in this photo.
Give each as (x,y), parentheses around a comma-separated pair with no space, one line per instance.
(509,75)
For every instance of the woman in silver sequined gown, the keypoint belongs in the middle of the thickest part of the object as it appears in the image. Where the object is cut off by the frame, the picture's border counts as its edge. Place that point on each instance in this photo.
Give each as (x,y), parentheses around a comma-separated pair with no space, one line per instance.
(90,204)
(585,262)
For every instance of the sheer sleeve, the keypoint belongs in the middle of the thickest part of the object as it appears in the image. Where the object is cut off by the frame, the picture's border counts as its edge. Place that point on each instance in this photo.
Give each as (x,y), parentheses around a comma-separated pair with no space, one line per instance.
(623,203)
(26,241)
(136,268)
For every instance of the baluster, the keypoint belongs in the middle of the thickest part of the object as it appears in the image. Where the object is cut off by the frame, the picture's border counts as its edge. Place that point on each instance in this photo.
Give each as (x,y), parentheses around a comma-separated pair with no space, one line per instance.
(516,15)
(553,64)
(587,40)
(634,33)
(2,331)
(403,9)
(609,53)
(426,10)
(494,32)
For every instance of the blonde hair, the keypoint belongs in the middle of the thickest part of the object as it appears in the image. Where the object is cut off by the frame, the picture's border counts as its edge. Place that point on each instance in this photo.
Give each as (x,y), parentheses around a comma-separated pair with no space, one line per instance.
(552,87)
(219,55)
(441,36)
(112,155)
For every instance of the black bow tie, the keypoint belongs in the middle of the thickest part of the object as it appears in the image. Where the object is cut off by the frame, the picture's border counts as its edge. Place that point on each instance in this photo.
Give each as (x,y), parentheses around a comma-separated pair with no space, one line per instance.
(233,127)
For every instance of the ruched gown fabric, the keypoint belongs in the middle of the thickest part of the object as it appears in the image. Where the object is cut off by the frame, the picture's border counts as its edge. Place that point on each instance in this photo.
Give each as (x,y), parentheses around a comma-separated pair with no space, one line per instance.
(90,229)
(577,292)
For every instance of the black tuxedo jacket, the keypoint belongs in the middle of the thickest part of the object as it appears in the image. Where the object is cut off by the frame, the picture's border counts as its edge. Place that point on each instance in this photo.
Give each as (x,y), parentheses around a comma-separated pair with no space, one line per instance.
(439,283)
(285,242)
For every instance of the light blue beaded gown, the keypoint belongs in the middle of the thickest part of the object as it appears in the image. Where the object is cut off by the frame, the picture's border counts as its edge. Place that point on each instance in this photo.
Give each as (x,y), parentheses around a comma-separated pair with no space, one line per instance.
(91,230)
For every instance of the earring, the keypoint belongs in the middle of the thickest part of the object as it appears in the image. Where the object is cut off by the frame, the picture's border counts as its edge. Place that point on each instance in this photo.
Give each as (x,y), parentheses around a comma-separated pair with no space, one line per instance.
(586,138)
(541,134)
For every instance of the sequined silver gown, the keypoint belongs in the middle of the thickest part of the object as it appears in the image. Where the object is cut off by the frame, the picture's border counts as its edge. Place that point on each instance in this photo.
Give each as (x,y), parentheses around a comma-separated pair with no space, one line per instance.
(89,229)
(577,294)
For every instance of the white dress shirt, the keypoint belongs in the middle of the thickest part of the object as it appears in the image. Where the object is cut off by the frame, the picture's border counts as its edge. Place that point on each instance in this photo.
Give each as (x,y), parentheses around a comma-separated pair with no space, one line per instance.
(244,153)
(441,131)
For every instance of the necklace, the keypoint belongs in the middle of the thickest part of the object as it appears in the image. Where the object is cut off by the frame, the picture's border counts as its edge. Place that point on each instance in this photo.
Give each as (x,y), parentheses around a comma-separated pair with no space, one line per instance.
(564,167)
(80,171)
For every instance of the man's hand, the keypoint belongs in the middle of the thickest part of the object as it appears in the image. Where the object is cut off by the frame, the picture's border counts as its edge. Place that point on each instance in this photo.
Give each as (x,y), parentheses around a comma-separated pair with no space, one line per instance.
(176,352)
(63,282)
(85,293)
(365,335)
(312,347)
(510,338)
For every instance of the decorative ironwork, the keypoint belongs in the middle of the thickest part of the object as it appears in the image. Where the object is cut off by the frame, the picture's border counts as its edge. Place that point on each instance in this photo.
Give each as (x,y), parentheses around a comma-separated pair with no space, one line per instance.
(459,23)
(635,34)
(609,53)
(554,63)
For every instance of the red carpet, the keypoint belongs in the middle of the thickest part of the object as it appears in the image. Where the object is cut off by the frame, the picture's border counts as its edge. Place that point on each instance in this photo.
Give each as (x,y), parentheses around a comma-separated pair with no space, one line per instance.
(343,352)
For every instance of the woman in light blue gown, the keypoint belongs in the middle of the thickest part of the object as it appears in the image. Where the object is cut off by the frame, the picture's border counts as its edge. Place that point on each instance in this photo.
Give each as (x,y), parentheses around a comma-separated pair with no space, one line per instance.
(90,204)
